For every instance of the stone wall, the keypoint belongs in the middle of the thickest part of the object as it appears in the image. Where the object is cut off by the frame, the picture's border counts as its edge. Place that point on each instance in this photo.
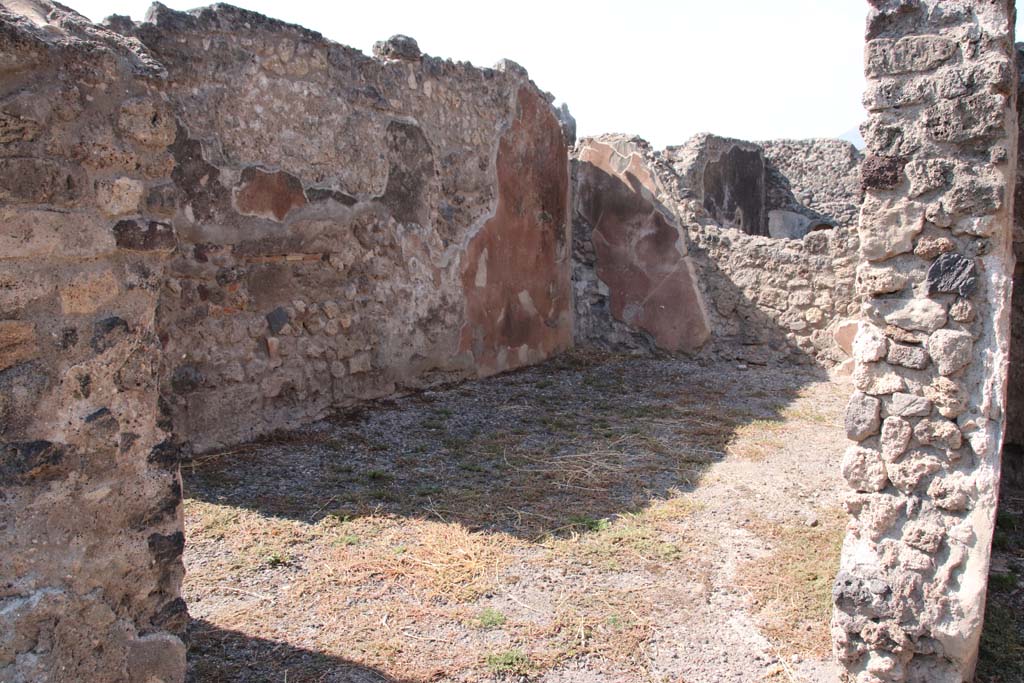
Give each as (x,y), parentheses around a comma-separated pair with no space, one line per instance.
(348,226)
(215,225)
(672,253)
(931,352)
(818,180)
(90,520)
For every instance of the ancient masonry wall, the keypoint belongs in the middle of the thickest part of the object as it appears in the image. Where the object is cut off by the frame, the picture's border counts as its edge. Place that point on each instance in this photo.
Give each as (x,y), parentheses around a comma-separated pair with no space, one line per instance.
(671,249)
(348,227)
(931,353)
(225,231)
(90,521)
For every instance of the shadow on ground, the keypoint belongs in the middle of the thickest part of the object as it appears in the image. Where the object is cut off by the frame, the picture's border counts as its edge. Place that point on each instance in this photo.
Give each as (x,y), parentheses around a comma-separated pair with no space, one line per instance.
(219,655)
(1001,658)
(550,449)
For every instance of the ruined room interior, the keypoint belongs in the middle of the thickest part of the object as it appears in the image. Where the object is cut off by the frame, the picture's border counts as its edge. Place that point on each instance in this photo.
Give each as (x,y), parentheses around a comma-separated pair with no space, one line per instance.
(325,366)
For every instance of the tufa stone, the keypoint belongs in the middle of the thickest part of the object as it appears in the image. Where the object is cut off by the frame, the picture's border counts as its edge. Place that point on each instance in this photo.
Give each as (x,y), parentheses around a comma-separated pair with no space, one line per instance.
(907,474)
(864,470)
(950,349)
(862,416)
(922,315)
(930,248)
(896,433)
(913,357)
(939,433)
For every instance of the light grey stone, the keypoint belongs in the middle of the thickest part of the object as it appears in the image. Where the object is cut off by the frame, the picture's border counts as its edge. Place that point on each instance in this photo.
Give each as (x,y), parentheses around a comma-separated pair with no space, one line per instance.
(862,416)
(896,434)
(924,315)
(950,349)
(909,405)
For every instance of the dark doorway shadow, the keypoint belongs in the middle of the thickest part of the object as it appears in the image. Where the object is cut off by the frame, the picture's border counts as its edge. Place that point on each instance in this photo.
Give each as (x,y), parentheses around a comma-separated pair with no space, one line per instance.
(218,655)
(1001,656)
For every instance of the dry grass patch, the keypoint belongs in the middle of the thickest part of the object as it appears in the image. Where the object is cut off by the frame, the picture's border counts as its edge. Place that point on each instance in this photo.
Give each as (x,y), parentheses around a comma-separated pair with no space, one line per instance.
(610,624)
(757,439)
(430,559)
(792,585)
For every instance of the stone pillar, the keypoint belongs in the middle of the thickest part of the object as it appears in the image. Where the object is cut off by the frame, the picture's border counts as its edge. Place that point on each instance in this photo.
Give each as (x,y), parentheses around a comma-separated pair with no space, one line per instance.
(931,353)
(90,518)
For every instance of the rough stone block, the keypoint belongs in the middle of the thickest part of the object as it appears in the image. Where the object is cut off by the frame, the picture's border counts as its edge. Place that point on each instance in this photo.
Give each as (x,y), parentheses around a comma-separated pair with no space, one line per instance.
(869,345)
(924,315)
(119,196)
(888,227)
(896,433)
(952,273)
(862,416)
(939,433)
(913,357)
(864,470)
(87,292)
(950,349)
(844,334)
(153,236)
(909,405)
(18,342)
(885,56)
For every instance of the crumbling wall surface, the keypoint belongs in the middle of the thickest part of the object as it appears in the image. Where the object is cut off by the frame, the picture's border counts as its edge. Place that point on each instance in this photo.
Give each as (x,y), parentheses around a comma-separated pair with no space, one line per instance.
(931,352)
(811,183)
(349,226)
(727,177)
(635,286)
(90,519)
(658,266)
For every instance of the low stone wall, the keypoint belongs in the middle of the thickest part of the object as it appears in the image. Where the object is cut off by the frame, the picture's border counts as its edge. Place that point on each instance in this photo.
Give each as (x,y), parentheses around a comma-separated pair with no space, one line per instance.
(672,253)
(931,354)
(89,490)
(348,226)
(773,300)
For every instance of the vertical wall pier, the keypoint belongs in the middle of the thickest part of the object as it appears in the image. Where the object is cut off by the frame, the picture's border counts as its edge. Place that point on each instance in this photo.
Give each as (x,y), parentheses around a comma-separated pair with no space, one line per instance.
(931,352)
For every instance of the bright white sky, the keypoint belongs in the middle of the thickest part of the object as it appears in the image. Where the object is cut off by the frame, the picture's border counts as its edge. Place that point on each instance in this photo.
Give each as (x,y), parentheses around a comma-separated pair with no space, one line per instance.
(663,69)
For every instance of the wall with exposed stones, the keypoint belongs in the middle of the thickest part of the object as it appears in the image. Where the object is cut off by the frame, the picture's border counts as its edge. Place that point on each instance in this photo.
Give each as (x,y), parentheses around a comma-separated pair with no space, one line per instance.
(348,226)
(90,521)
(214,225)
(931,352)
(672,249)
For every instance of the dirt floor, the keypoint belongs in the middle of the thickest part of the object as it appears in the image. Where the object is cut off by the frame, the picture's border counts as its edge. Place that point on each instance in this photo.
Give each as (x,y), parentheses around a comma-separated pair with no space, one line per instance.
(594,519)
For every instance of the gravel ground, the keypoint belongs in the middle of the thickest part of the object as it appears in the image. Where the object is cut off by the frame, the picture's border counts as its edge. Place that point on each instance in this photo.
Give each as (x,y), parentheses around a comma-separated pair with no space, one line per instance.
(596,518)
